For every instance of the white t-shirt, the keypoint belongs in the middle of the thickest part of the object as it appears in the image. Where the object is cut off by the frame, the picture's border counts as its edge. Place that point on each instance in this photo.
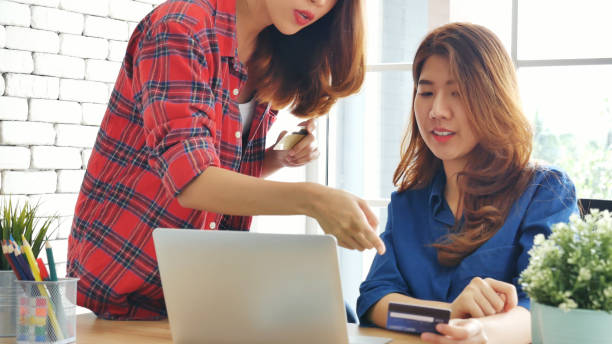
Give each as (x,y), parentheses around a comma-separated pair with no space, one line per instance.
(246,112)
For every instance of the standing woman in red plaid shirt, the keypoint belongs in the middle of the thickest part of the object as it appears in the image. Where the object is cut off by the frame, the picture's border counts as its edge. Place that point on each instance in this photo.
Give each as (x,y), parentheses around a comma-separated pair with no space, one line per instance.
(175,151)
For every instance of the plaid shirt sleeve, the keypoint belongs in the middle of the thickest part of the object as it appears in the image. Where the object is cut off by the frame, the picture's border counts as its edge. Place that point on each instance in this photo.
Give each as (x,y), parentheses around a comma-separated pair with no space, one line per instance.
(171,75)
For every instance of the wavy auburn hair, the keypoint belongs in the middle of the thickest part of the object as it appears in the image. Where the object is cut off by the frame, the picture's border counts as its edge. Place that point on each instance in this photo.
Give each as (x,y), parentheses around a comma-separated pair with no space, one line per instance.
(311,69)
(498,168)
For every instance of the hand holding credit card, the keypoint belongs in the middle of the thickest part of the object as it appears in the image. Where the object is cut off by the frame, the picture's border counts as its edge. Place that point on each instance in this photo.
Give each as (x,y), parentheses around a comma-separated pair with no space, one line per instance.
(415,319)
(291,139)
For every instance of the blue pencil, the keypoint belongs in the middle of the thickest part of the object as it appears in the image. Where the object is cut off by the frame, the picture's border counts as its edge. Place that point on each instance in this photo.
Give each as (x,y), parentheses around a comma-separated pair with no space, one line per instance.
(23,262)
(10,257)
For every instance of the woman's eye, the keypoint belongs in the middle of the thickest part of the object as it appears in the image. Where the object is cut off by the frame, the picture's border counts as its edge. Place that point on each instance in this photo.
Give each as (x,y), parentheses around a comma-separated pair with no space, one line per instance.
(455,94)
(425,94)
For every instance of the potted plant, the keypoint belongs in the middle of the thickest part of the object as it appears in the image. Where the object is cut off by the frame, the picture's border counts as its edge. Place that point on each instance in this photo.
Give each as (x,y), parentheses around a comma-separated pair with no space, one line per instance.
(16,221)
(569,281)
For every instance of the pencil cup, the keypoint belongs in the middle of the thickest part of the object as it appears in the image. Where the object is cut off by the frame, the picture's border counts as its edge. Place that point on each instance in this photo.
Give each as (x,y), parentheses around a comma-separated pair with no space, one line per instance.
(8,303)
(46,311)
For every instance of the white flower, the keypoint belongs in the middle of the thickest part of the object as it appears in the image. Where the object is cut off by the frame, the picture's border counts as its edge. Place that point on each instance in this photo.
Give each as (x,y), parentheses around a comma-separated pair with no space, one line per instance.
(568,304)
(584,274)
(539,239)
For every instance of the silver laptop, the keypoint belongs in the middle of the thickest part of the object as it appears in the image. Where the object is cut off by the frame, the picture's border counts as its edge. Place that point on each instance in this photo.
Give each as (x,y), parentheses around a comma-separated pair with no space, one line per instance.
(241,287)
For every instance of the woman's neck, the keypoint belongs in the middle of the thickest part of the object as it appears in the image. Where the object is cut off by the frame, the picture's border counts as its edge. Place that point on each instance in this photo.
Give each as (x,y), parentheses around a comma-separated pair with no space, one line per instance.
(451,189)
(251,18)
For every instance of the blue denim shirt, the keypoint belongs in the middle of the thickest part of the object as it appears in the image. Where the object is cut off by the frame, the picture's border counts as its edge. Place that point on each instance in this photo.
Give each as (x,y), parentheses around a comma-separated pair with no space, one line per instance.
(418,218)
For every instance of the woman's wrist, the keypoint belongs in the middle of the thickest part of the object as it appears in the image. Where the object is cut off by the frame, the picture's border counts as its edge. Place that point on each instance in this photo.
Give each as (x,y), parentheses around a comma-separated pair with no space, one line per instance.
(310,196)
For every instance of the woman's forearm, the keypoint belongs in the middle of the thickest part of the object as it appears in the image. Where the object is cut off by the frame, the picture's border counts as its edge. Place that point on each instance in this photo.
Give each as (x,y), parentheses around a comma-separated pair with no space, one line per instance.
(378,313)
(223,191)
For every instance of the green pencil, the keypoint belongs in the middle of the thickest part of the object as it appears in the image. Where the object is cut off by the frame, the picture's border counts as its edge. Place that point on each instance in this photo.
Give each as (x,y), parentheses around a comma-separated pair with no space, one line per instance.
(51,261)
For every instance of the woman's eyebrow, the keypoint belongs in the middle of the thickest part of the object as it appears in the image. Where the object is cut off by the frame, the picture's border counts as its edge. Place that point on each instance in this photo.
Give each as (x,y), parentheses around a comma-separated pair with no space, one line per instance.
(429,82)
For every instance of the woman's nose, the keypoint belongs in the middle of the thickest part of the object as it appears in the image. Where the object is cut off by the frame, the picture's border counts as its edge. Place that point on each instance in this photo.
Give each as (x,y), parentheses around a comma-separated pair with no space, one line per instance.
(440,108)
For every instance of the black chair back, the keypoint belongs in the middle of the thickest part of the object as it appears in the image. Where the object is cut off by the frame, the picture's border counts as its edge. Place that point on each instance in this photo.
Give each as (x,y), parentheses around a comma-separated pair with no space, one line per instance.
(586,204)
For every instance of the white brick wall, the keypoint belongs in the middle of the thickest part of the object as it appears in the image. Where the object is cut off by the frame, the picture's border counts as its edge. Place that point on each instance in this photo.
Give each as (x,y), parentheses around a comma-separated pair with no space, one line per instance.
(55,111)
(48,3)
(58,62)
(75,135)
(100,70)
(12,13)
(116,50)
(31,86)
(83,91)
(50,157)
(14,158)
(2,37)
(22,38)
(13,108)
(106,28)
(26,133)
(16,61)
(52,19)
(63,228)
(93,113)
(85,155)
(70,180)
(29,182)
(81,46)
(59,65)
(97,7)
(128,10)
(61,204)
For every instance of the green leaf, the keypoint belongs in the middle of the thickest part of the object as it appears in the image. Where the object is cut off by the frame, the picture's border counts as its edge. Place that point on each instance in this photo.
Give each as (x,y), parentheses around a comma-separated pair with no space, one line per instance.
(18,221)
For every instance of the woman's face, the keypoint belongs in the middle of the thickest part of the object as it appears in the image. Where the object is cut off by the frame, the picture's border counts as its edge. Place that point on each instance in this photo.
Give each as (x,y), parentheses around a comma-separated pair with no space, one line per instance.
(290,16)
(441,115)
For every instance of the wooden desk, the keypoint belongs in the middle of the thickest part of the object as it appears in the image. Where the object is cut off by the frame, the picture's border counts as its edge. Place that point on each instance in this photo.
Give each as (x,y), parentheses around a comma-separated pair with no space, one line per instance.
(91,330)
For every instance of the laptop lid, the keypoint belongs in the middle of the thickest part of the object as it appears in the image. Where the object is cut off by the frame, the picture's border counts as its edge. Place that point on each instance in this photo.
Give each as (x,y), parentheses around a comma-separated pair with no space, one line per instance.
(242,287)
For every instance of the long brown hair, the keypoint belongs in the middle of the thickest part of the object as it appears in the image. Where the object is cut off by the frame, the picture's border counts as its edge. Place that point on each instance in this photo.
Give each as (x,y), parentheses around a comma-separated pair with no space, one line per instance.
(498,168)
(311,69)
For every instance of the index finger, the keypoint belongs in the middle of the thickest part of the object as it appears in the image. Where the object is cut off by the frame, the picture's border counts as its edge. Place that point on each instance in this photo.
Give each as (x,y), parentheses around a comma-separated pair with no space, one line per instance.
(506,289)
(370,234)
(309,125)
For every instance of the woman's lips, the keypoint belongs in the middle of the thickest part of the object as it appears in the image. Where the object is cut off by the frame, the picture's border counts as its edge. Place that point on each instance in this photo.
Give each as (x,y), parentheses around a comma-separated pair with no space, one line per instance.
(442,135)
(302,17)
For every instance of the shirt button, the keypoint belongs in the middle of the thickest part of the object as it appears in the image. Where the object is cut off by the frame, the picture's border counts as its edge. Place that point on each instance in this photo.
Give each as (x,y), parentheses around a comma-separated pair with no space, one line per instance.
(212,225)
(235,91)
(238,134)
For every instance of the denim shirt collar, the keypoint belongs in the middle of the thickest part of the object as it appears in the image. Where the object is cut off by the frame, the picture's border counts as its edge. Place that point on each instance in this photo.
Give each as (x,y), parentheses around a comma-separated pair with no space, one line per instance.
(437,204)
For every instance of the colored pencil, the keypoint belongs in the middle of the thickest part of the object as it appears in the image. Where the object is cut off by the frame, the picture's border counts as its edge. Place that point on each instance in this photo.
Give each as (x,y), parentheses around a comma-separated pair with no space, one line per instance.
(10,258)
(51,261)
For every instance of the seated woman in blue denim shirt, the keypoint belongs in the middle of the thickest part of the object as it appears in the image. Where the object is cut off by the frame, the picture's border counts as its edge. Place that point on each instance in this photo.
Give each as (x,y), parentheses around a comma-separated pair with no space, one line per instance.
(469,201)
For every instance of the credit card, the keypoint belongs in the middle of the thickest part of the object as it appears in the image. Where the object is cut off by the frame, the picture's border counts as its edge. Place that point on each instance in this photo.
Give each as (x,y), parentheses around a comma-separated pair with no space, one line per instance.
(415,319)
(290,140)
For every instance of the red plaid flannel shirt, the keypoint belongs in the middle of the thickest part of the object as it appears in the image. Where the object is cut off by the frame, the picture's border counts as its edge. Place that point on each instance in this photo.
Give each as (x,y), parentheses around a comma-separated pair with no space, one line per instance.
(171,115)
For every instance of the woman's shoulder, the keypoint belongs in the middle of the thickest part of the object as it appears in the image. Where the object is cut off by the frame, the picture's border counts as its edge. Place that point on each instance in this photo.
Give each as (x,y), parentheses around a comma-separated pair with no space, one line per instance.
(550,185)
(195,14)
(549,176)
